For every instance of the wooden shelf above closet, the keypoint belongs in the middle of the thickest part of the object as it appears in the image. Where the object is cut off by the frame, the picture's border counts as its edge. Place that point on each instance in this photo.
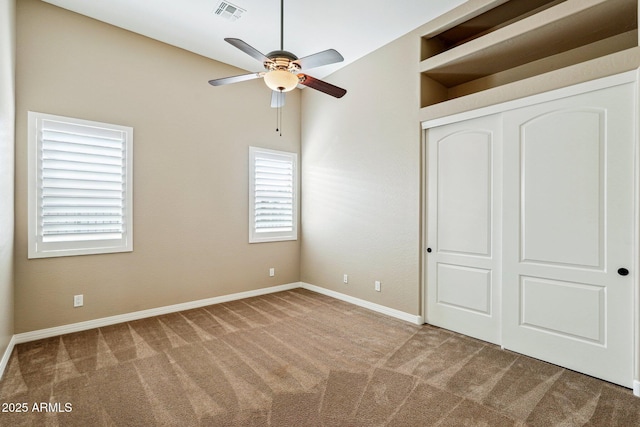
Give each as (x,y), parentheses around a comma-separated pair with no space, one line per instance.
(519,39)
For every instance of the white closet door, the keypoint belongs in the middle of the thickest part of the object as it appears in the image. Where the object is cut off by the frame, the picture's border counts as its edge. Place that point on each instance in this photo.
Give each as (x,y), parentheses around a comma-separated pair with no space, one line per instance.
(463,280)
(568,229)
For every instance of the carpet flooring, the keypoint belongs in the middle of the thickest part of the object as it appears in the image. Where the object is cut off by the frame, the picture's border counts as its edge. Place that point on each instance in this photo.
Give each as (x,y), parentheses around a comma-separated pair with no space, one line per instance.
(295,358)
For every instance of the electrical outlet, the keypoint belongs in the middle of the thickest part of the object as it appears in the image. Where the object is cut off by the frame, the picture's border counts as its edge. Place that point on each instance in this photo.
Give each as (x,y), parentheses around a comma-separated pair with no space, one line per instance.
(377,284)
(78,300)
(272,272)
(345,279)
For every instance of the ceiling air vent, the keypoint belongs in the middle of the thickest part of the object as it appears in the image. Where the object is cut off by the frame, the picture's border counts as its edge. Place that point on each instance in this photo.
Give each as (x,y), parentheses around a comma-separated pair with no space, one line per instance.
(229,11)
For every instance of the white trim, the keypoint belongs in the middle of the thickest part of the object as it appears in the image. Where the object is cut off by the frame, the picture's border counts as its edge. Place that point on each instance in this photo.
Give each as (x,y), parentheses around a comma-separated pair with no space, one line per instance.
(636,241)
(590,86)
(7,354)
(136,315)
(411,318)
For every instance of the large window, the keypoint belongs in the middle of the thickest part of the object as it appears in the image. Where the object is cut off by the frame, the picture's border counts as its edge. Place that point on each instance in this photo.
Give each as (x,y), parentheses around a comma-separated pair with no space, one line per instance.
(80,187)
(272,195)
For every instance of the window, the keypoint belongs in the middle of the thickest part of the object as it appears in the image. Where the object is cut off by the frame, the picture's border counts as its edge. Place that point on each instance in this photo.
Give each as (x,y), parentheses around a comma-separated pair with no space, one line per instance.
(272,195)
(80,182)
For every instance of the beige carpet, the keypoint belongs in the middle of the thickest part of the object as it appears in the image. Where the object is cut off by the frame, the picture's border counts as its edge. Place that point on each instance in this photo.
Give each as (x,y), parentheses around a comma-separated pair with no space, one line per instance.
(294,358)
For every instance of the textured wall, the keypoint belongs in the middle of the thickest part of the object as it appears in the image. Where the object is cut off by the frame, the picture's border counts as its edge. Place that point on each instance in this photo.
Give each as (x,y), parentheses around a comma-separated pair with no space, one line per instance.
(190,169)
(361,180)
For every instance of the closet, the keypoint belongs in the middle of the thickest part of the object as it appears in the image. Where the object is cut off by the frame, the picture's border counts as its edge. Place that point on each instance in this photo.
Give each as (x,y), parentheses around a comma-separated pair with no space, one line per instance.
(531,225)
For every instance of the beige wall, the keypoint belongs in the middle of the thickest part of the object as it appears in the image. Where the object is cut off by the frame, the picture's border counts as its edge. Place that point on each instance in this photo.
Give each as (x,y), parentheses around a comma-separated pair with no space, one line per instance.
(7,116)
(361,161)
(190,169)
(361,180)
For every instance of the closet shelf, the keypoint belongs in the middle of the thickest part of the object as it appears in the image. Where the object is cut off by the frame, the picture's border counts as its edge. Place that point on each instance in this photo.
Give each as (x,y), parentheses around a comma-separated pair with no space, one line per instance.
(553,35)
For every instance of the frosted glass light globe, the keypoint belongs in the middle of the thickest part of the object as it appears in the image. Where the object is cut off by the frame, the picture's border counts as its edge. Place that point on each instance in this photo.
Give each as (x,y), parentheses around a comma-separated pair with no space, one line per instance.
(281,80)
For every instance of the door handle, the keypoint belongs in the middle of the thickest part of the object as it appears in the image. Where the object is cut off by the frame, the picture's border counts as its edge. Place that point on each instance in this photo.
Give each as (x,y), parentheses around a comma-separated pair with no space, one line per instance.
(623,271)
(429,250)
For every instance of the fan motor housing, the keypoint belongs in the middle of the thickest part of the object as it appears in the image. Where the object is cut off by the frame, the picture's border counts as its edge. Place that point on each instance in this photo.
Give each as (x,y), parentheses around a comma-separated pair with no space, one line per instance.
(276,54)
(282,60)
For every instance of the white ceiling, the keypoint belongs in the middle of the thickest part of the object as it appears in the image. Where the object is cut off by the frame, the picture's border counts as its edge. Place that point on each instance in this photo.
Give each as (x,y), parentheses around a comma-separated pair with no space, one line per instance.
(352,27)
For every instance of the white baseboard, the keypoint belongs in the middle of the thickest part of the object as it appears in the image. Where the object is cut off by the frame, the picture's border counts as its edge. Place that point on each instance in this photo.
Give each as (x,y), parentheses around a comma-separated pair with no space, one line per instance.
(136,315)
(636,388)
(411,318)
(7,354)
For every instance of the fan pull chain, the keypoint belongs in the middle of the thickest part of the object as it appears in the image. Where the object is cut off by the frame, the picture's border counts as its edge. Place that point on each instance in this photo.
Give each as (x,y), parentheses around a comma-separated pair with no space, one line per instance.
(279,113)
(280,110)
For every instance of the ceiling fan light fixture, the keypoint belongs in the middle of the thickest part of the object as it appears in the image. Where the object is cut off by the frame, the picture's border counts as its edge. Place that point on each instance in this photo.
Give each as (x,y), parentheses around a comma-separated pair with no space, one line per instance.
(281,80)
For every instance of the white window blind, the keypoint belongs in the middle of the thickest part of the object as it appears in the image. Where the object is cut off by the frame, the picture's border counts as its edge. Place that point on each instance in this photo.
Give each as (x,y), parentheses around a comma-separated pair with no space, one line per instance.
(81,185)
(273,187)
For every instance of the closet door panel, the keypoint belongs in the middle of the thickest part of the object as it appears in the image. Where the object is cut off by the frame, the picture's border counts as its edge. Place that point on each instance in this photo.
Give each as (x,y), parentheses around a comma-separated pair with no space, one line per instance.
(464,193)
(568,227)
(573,310)
(465,288)
(463,284)
(563,182)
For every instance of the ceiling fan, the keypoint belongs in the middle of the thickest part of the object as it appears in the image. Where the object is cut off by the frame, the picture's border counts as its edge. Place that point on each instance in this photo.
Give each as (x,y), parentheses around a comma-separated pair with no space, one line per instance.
(283,69)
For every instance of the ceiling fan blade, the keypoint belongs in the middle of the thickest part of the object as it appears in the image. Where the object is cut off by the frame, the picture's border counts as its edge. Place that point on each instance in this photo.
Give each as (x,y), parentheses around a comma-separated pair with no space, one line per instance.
(277,99)
(249,50)
(322,86)
(326,57)
(235,79)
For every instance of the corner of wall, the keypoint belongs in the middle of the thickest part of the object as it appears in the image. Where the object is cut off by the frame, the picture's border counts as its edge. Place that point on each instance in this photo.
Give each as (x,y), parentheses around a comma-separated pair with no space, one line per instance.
(7,158)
